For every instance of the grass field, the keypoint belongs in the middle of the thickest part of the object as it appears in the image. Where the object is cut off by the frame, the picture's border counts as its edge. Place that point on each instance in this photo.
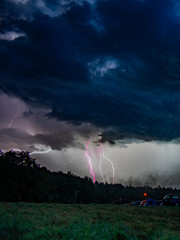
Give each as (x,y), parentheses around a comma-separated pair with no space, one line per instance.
(32,221)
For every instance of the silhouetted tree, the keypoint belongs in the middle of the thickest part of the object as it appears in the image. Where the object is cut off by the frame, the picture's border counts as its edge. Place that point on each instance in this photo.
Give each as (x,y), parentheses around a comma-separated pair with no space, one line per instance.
(22,179)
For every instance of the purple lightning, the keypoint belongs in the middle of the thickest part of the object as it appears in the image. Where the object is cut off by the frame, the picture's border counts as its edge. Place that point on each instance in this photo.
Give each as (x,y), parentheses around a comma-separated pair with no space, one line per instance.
(89,161)
(100,164)
(112,165)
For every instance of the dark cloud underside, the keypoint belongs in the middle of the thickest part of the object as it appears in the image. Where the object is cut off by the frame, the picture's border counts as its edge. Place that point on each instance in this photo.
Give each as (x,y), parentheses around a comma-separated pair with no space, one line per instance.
(113,63)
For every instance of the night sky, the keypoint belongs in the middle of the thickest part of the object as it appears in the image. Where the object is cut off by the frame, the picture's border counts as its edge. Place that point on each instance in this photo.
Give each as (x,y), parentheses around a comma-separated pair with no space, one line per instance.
(103,71)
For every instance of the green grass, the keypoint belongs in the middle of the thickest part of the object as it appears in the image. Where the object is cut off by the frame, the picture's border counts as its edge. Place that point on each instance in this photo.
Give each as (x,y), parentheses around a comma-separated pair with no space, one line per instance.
(32,221)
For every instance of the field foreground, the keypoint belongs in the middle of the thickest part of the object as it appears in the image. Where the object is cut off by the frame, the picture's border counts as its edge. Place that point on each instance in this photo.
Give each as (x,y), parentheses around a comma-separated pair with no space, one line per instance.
(32,221)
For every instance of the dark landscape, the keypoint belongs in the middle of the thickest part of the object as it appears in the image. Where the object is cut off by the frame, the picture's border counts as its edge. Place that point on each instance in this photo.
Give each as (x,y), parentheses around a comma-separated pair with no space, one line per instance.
(44,221)
(23,180)
(33,206)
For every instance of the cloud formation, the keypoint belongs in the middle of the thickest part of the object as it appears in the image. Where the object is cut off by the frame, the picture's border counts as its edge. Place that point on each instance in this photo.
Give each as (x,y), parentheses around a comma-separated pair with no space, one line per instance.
(112,64)
(28,128)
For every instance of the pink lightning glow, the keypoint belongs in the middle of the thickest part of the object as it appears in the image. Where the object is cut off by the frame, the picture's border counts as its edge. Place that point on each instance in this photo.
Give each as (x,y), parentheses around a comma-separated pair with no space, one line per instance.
(112,165)
(89,161)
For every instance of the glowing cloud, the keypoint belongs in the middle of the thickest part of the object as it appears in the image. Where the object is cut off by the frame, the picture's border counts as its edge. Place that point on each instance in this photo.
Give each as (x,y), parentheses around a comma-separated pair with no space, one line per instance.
(11,36)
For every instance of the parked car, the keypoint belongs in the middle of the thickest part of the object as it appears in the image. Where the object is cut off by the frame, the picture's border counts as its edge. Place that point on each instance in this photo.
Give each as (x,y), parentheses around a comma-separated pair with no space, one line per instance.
(135,203)
(148,202)
(171,200)
(158,202)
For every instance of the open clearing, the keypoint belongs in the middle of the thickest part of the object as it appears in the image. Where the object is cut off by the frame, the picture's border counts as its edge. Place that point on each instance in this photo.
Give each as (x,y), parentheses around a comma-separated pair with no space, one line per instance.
(44,221)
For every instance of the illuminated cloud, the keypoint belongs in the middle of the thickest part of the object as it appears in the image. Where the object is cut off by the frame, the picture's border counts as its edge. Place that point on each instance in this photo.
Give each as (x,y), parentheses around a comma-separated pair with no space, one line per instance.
(28,128)
(100,68)
(11,36)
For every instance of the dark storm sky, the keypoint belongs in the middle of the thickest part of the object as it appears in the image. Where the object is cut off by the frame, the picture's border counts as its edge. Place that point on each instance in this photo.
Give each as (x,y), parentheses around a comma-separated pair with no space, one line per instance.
(97,70)
(111,63)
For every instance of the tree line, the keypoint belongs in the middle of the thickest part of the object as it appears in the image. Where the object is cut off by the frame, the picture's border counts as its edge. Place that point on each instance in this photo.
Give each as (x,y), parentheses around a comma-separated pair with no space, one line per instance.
(22,179)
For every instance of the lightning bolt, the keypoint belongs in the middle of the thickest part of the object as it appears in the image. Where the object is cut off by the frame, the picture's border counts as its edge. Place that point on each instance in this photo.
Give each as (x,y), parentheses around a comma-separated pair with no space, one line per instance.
(107,159)
(40,152)
(12,120)
(89,161)
(100,164)
(35,152)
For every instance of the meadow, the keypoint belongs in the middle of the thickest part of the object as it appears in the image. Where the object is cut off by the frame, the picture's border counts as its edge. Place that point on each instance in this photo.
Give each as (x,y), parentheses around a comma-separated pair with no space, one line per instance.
(50,221)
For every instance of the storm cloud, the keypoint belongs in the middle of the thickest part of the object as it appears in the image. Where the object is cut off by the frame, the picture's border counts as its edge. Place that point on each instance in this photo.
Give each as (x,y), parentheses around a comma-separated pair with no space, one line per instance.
(28,128)
(112,64)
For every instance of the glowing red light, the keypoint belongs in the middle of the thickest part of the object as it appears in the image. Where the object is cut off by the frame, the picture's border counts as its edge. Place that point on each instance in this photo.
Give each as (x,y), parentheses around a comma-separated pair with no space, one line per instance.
(145,194)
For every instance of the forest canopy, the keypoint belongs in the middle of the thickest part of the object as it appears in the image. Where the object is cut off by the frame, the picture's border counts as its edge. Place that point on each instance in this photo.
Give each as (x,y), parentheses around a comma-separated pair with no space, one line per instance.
(22,179)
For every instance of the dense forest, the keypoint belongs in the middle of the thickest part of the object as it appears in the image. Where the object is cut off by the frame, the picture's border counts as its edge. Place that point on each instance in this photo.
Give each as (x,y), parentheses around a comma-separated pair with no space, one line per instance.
(22,179)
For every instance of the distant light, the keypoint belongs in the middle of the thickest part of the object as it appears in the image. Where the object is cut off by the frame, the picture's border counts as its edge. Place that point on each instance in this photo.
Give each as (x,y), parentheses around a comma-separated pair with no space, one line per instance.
(145,194)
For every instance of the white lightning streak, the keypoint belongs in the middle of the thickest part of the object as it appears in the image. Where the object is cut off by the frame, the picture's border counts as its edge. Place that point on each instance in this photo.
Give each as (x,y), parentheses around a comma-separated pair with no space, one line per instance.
(12,120)
(40,152)
(100,164)
(35,152)
(112,165)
